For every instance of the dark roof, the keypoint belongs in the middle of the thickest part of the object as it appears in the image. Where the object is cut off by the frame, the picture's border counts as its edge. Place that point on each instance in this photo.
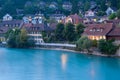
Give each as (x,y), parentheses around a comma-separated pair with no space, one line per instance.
(36,27)
(98,29)
(116,21)
(13,22)
(52,26)
(3,30)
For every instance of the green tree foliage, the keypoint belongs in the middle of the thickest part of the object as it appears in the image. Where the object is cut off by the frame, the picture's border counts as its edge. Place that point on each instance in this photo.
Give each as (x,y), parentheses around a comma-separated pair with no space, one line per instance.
(84,43)
(74,6)
(112,16)
(118,14)
(22,39)
(94,43)
(70,32)
(107,47)
(19,39)
(12,37)
(86,6)
(59,32)
(79,29)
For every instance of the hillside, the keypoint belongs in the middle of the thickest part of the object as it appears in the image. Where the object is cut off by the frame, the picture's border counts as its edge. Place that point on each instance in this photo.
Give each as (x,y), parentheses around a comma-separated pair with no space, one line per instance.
(34,6)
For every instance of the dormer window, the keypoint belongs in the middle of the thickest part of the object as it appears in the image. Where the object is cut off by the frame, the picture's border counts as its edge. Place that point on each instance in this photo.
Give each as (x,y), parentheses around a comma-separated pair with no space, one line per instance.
(98,29)
(101,29)
(91,30)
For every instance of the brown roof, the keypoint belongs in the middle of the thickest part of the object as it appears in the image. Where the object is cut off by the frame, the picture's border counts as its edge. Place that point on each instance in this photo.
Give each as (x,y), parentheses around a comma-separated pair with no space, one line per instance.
(75,19)
(115,32)
(36,27)
(13,22)
(98,29)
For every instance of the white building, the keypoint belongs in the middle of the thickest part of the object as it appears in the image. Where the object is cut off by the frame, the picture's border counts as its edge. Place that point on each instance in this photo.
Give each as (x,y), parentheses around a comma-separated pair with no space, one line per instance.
(89,13)
(34,19)
(37,37)
(110,11)
(7,17)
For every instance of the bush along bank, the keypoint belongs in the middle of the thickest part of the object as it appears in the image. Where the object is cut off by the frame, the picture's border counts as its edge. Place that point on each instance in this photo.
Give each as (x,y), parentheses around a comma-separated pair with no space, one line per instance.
(94,47)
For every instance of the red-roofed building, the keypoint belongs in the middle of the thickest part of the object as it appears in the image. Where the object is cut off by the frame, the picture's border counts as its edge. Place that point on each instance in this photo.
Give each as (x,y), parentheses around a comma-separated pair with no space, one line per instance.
(74,19)
(98,31)
(114,34)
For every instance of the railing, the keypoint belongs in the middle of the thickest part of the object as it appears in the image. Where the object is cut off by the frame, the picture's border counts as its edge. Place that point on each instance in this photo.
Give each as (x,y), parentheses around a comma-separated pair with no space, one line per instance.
(56,45)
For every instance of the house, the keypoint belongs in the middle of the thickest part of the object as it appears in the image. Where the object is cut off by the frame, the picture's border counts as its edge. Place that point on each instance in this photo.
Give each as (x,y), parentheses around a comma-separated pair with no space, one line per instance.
(11,24)
(35,32)
(20,12)
(90,19)
(3,31)
(57,17)
(89,13)
(7,17)
(67,6)
(114,34)
(74,19)
(34,19)
(115,21)
(110,10)
(98,31)
(53,5)
(103,18)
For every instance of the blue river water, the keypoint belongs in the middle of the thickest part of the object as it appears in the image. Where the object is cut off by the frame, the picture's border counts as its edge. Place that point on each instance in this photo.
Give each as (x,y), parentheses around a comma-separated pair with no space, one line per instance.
(28,64)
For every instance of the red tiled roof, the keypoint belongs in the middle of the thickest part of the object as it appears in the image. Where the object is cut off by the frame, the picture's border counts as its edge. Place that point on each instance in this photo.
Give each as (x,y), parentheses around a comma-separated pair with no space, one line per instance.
(75,19)
(115,32)
(98,29)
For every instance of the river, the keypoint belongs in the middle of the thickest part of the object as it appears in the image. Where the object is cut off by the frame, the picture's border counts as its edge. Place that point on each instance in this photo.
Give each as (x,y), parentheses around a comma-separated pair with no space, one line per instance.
(31,64)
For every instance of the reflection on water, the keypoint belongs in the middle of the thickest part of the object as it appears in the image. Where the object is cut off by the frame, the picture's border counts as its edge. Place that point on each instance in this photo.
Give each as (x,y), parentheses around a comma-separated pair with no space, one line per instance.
(63,61)
(92,72)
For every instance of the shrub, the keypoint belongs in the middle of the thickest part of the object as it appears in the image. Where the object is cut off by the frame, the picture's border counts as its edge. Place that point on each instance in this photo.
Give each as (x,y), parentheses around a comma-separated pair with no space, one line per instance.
(107,47)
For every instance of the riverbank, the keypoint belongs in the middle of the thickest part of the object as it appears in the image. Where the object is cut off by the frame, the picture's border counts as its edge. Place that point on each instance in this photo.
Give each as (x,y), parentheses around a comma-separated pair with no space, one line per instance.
(72,48)
(94,53)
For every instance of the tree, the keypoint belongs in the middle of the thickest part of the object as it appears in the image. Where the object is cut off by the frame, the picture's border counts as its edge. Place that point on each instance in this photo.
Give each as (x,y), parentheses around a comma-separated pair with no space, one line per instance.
(11,38)
(112,16)
(22,39)
(94,43)
(86,6)
(19,39)
(59,32)
(118,14)
(70,32)
(107,47)
(74,6)
(79,29)
(84,43)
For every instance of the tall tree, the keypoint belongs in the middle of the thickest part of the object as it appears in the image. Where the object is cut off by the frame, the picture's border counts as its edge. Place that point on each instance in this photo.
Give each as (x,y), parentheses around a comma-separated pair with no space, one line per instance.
(70,32)
(118,13)
(79,30)
(23,39)
(59,32)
